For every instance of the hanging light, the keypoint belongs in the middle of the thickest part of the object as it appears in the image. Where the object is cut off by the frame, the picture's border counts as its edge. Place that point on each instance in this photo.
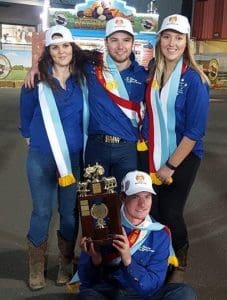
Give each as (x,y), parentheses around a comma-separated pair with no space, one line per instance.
(44,15)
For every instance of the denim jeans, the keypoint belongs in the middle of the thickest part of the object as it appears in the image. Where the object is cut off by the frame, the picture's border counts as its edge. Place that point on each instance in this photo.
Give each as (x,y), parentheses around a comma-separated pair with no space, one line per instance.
(45,192)
(171,291)
(117,159)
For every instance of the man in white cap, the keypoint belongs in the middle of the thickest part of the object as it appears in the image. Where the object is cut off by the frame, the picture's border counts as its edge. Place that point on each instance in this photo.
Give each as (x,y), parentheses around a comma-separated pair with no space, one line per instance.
(116,94)
(137,266)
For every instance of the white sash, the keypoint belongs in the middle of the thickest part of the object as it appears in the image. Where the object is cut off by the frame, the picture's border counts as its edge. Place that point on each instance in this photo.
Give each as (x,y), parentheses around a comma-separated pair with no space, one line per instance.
(55,134)
(115,85)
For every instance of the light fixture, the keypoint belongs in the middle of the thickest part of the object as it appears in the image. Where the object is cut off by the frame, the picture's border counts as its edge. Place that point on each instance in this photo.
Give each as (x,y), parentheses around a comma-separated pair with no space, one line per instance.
(44,15)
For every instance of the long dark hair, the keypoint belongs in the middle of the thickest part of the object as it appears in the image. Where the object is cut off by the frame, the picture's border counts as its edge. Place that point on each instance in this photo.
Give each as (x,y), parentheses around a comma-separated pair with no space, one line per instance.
(77,66)
(93,57)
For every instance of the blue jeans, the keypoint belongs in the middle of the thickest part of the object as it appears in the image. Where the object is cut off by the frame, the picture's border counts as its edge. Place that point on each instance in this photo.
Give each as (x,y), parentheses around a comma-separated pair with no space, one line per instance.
(45,192)
(171,291)
(117,159)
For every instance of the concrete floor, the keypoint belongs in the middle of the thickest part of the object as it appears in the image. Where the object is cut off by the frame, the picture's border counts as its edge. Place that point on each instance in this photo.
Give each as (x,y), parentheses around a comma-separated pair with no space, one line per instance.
(206,212)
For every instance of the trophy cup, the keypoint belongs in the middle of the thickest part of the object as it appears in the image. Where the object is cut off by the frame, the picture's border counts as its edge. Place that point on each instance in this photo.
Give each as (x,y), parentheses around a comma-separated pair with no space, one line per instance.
(99,206)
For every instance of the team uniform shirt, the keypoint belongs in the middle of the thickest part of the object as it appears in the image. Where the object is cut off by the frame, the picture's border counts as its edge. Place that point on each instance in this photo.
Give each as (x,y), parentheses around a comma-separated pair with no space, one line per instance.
(69,103)
(105,115)
(145,275)
(191,109)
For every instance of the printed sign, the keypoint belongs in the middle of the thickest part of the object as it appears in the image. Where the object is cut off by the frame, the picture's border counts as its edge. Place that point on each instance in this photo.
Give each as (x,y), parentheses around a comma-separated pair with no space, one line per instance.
(14,65)
(87,22)
(5,66)
(94,14)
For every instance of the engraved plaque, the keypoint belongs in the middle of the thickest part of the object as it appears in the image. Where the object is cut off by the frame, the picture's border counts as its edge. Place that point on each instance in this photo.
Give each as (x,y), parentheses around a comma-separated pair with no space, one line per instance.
(96,188)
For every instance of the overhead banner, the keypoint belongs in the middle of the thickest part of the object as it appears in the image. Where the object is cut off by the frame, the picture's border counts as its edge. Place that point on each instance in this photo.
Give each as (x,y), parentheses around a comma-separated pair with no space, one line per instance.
(94,14)
(87,22)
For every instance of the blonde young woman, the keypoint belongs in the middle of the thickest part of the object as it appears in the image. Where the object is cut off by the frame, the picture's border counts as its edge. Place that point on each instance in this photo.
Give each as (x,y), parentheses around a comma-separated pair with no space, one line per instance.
(177,101)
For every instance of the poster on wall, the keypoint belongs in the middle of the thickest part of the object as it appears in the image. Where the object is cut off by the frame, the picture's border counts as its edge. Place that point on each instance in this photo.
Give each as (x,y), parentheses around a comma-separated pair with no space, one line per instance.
(87,23)
(5,66)
(16,34)
(14,64)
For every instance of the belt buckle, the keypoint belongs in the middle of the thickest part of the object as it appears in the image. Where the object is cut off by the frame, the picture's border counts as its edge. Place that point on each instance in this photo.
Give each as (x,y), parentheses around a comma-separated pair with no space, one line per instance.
(110,139)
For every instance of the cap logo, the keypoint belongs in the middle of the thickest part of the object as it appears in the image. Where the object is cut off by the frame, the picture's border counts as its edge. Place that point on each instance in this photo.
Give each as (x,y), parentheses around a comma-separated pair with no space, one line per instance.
(173,19)
(140,179)
(119,22)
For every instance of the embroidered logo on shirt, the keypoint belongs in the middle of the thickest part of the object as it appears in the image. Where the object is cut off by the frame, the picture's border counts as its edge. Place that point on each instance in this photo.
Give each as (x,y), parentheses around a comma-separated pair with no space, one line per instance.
(132,80)
(146,249)
(182,86)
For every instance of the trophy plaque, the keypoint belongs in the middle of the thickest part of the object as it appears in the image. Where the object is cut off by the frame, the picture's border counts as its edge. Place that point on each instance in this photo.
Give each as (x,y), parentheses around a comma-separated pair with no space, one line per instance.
(99,206)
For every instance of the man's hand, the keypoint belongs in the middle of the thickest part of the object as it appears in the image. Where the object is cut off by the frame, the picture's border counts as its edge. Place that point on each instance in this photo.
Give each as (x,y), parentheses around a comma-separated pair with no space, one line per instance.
(29,80)
(121,243)
(87,246)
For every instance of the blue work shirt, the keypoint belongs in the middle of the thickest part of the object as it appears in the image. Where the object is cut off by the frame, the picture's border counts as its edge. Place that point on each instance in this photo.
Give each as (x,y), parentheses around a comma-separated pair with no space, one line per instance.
(145,275)
(191,110)
(69,102)
(105,116)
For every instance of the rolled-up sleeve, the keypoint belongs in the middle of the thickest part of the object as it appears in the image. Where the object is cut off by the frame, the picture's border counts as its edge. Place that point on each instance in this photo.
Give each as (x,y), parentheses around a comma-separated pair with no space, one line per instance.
(197,106)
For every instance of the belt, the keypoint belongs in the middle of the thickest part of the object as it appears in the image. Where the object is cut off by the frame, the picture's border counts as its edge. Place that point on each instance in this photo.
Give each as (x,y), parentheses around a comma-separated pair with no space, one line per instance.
(109,139)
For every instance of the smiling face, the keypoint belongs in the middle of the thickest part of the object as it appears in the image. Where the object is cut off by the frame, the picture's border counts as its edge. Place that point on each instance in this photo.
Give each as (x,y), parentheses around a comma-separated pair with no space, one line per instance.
(119,46)
(61,53)
(173,45)
(137,207)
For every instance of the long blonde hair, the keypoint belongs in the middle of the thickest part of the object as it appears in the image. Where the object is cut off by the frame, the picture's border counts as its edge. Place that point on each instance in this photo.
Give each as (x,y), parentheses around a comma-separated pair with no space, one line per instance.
(188,59)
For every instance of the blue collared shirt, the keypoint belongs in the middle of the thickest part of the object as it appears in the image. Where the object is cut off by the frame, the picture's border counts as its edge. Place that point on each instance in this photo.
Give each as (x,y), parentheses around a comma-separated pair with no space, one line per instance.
(105,115)
(69,102)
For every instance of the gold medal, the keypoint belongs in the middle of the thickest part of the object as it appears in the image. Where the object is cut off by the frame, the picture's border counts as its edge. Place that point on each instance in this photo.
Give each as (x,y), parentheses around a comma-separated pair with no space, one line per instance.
(99,212)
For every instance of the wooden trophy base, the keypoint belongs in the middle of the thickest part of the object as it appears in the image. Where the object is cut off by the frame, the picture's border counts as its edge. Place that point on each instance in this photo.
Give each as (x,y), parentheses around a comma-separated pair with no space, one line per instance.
(100,217)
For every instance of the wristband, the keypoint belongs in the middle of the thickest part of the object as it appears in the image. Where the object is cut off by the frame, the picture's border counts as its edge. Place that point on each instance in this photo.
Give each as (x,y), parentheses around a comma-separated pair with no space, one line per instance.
(170,166)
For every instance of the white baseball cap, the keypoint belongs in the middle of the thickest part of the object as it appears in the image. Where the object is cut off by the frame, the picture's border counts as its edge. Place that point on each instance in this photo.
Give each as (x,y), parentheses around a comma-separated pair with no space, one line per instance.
(176,22)
(118,24)
(135,182)
(58,29)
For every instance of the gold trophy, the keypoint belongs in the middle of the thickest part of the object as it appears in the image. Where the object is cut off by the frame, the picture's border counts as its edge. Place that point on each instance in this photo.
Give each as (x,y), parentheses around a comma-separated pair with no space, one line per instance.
(99,206)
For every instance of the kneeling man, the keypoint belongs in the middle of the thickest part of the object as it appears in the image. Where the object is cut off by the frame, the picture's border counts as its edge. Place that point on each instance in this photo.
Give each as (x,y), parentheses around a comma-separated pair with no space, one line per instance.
(136,264)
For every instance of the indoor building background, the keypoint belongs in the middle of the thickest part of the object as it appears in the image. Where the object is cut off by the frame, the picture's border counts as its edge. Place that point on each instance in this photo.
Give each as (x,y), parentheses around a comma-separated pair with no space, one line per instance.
(206,211)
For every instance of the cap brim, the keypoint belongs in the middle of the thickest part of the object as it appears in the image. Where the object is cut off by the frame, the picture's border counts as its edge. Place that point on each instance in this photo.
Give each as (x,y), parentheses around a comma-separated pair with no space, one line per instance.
(172,28)
(59,41)
(121,30)
(141,189)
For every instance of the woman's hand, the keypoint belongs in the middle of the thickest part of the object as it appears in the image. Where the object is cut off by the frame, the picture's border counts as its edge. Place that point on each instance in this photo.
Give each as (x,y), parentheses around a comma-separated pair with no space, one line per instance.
(121,243)
(87,246)
(164,174)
